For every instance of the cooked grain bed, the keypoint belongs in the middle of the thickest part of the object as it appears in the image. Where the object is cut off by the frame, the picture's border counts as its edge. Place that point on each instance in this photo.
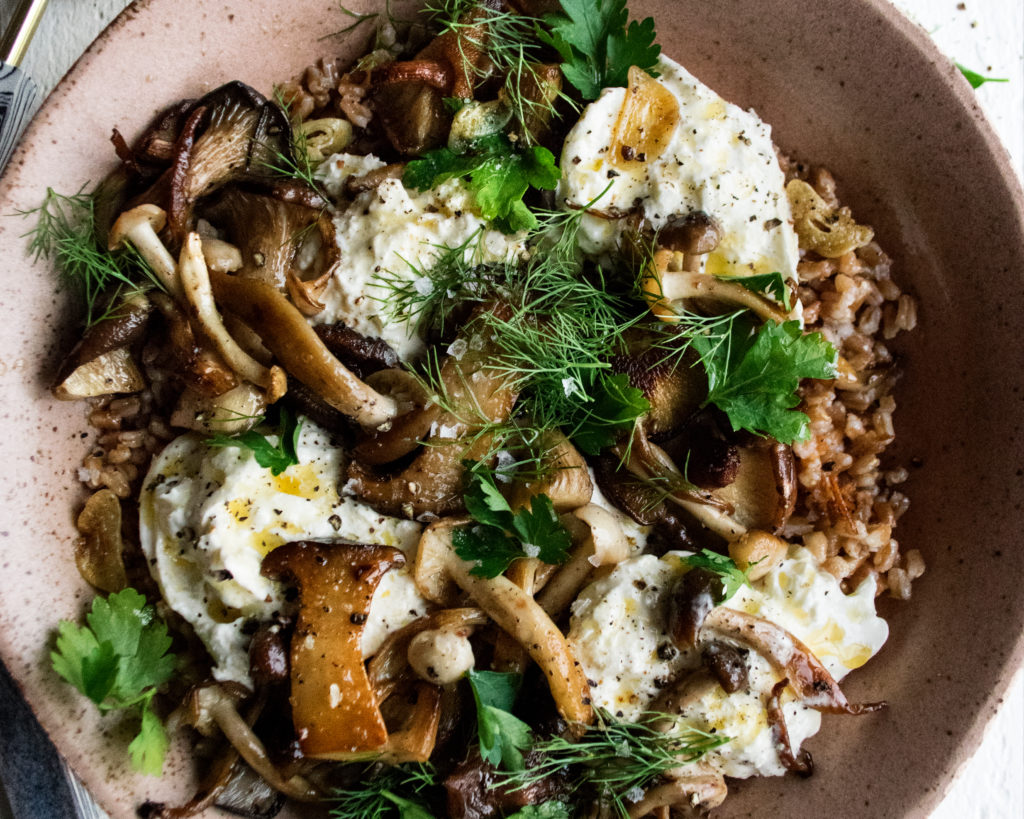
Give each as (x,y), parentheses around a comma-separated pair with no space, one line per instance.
(848,501)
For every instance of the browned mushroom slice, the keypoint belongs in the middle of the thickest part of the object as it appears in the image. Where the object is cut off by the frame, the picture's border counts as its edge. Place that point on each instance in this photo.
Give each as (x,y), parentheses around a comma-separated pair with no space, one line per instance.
(287,334)
(431,485)
(598,542)
(809,678)
(194,360)
(696,788)
(675,390)
(564,477)
(643,502)
(359,353)
(763,492)
(477,395)
(415,740)
(82,375)
(333,706)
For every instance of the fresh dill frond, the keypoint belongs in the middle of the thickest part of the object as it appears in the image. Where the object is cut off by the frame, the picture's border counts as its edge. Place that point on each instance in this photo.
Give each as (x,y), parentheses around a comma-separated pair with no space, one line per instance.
(510,41)
(401,791)
(296,163)
(357,19)
(65,233)
(425,300)
(616,759)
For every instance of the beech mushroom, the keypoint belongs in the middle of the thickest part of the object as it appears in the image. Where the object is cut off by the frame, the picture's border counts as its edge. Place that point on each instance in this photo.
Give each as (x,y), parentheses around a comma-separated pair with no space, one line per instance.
(522,617)
(138,227)
(666,284)
(287,334)
(335,712)
(441,656)
(600,542)
(195,281)
(216,705)
(200,367)
(801,764)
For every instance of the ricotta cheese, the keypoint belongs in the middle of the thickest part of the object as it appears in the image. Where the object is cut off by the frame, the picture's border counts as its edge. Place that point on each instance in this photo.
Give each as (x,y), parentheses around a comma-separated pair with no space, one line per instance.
(719,159)
(397,234)
(208,517)
(619,634)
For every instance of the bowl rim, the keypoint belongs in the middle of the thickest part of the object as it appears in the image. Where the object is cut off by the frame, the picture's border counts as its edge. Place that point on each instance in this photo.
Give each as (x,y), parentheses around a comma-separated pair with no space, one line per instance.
(954,84)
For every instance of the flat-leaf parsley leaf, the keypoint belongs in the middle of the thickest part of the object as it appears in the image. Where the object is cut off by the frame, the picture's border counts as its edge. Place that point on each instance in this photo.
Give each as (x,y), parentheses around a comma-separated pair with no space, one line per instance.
(502,735)
(496,173)
(753,375)
(275,457)
(731,576)
(118,660)
(597,45)
(500,535)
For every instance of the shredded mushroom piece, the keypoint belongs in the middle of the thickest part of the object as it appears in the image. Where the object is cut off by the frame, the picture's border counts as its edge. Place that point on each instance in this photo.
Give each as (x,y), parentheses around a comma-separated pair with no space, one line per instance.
(195,278)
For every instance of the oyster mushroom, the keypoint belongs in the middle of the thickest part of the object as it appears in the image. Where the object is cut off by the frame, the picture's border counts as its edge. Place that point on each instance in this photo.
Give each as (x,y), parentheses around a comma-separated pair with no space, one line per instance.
(231,133)
(333,706)
(200,367)
(287,334)
(517,613)
(269,232)
(195,281)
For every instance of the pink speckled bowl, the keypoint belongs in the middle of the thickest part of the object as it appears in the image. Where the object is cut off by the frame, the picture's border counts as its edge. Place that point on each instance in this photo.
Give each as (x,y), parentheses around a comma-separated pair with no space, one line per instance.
(848,83)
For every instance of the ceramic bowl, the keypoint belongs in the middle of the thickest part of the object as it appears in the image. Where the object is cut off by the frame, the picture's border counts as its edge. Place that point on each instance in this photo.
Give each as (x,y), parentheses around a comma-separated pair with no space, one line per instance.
(850,84)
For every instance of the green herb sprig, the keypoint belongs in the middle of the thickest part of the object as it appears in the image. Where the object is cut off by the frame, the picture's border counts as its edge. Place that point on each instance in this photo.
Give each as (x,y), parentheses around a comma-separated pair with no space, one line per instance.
(754,373)
(500,535)
(119,660)
(598,44)
(616,758)
(65,233)
(497,174)
(729,574)
(275,457)
(399,791)
(503,736)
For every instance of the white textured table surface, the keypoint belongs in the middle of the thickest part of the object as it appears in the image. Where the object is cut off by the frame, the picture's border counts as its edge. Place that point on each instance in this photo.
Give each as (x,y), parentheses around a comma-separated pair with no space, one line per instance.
(987,36)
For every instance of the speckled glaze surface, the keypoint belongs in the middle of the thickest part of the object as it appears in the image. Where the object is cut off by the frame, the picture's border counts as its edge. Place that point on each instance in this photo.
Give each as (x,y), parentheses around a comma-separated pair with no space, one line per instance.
(849,84)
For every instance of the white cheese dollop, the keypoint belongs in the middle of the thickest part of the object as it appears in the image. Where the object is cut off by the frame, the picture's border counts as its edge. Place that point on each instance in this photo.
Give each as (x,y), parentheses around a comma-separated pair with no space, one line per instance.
(619,635)
(397,234)
(719,159)
(208,517)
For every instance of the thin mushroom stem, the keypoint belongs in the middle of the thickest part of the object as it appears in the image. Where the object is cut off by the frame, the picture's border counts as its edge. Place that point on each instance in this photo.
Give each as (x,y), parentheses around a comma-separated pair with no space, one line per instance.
(668,282)
(195,279)
(521,616)
(138,228)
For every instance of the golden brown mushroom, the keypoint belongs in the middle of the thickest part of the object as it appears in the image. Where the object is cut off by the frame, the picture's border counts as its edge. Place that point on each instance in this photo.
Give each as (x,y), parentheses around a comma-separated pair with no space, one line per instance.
(335,712)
